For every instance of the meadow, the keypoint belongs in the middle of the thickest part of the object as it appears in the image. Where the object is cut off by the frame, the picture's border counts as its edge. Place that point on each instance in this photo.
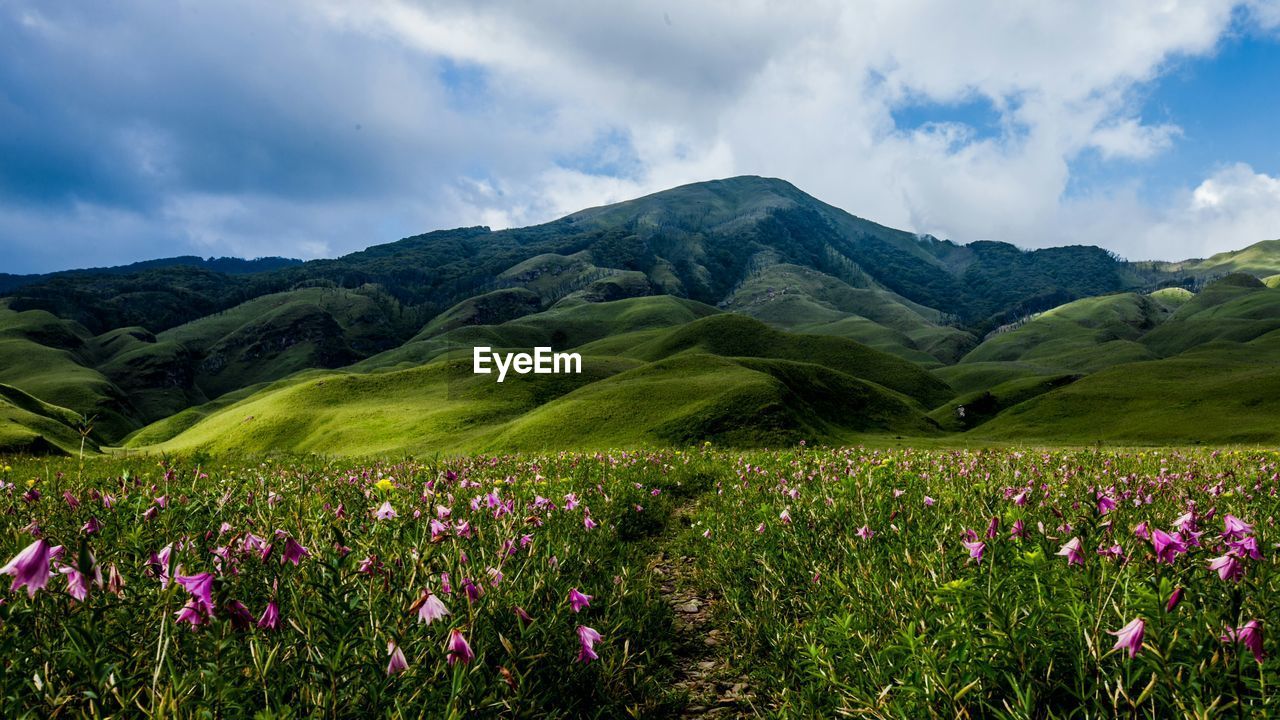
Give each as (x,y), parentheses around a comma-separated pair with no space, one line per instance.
(837,582)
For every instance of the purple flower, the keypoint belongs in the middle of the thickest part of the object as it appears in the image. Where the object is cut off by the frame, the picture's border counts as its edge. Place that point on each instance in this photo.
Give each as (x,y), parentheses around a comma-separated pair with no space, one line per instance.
(397,664)
(1174,598)
(578,600)
(1071,550)
(270,617)
(1167,546)
(91,527)
(293,552)
(588,523)
(1227,566)
(160,564)
(1019,530)
(473,591)
(1129,637)
(200,586)
(1141,531)
(1247,547)
(457,649)
(386,512)
(928,501)
(193,613)
(525,618)
(587,639)
(993,528)
(432,609)
(1235,528)
(241,619)
(1105,504)
(975,548)
(30,567)
(1250,634)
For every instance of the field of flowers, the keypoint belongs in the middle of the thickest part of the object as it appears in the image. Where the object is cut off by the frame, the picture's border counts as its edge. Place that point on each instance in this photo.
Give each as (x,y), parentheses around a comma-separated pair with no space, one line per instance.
(882,583)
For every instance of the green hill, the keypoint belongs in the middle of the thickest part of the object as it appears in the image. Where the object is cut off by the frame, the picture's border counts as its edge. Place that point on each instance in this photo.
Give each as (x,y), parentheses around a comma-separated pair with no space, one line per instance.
(1084,335)
(741,310)
(1219,393)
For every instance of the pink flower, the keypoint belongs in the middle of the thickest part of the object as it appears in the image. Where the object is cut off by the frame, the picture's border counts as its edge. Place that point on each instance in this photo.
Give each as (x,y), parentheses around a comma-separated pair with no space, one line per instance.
(191,613)
(1235,528)
(115,583)
(91,527)
(993,528)
(30,567)
(1174,598)
(201,588)
(588,523)
(160,565)
(1227,566)
(386,512)
(1105,504)
(1129,637)
(457,649)
(1019,530)
(293,552)
(587,639)
(1167,546)
(1071,550)
(432,609)
(1141,531)
(1250,634)
(578,600)
(928,501)
(397,664)
(525,618)
(270,616)
(785,516)
(975,549)
(866,533)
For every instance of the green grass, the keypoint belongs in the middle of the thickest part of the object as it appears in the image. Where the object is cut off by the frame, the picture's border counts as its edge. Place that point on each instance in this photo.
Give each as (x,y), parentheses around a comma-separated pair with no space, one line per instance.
(1084,335)
(983,405)
(30,425)
(1237,309)
(733,335)
(800,299)
(1219,393)
(690,398)
(562,327)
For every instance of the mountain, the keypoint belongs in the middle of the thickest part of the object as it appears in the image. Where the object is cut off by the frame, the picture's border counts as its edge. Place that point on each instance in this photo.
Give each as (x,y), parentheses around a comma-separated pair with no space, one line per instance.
(227,265)
(739,310)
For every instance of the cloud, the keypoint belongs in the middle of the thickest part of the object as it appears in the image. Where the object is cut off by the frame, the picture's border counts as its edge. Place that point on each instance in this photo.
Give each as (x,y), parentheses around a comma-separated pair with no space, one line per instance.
(310,127)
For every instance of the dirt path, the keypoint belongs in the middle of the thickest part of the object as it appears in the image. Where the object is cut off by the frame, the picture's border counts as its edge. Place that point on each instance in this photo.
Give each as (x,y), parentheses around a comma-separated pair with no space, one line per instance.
(701,671)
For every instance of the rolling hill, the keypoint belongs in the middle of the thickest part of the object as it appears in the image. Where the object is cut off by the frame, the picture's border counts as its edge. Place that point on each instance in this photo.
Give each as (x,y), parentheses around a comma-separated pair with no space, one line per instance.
(741,311)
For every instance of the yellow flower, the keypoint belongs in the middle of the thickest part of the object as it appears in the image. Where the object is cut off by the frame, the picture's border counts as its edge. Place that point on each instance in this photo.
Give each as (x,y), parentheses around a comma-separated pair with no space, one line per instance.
(8,468)
(384,484)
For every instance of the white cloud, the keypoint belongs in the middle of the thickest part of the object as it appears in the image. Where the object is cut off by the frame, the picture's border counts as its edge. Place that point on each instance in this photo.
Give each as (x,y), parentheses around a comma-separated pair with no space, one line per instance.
(686,92)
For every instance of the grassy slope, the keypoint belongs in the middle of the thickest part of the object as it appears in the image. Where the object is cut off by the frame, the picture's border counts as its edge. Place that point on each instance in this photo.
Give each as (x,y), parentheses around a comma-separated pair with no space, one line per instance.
(51,359)
(737,401)
(564,326)
(800,299)
(722,377)
(1237,308)
(30,425)
(1221,392)
(733,335)
(1084,335)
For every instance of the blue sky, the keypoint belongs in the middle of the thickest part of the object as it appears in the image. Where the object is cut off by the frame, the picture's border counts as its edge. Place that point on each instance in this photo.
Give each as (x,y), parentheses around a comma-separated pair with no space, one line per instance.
(311,128)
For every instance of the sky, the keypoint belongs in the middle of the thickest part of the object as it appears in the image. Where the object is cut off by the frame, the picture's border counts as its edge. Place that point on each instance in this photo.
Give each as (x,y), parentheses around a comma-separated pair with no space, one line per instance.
(311,128)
